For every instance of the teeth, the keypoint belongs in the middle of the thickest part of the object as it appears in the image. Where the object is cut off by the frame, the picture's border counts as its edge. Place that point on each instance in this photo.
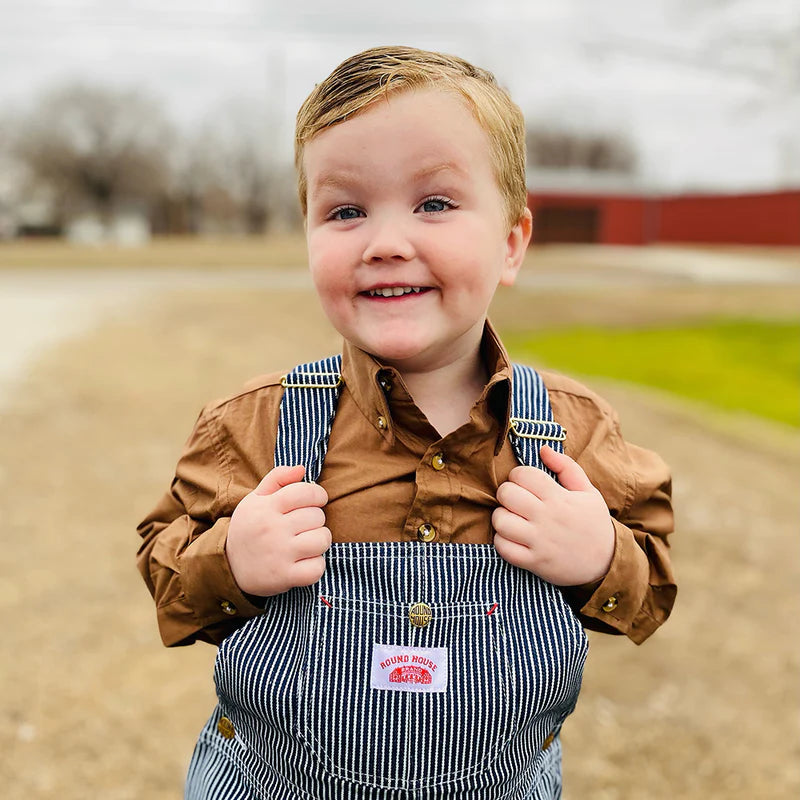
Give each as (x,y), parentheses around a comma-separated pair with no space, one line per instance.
(394,291)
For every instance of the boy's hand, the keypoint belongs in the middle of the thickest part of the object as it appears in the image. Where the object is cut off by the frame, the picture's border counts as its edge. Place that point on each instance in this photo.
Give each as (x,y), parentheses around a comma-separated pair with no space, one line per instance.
(277,534)
(563,533)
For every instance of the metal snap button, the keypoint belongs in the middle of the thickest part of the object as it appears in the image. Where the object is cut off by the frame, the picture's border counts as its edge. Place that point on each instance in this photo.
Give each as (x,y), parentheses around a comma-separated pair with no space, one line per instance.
(382,423)
(426,532)
(610,604)
(225,728)
(438,462)
(420,614)
(228,607)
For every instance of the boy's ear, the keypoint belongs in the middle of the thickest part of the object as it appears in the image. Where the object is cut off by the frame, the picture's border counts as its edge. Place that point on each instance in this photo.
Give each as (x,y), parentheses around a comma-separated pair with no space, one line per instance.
(516,246)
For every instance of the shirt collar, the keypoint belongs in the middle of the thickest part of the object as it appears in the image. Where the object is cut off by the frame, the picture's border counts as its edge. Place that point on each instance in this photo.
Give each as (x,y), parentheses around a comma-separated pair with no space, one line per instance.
(498,389)
(368,380)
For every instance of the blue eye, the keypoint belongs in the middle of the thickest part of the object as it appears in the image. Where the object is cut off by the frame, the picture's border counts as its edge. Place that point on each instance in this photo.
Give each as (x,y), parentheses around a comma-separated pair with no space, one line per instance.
(346,213)
(436,205)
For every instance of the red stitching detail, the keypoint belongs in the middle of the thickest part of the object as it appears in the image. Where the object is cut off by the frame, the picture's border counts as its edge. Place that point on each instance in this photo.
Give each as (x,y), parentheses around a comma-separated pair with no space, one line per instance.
(491,610)
(325,601)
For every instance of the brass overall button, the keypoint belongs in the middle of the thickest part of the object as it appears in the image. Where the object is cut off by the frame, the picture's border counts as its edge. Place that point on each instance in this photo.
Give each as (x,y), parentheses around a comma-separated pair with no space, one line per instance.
(225,728)
(420,615)
(426,532)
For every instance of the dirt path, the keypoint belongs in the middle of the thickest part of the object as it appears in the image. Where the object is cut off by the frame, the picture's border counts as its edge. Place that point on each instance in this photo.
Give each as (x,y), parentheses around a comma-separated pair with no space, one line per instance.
(93,706)
(40,307)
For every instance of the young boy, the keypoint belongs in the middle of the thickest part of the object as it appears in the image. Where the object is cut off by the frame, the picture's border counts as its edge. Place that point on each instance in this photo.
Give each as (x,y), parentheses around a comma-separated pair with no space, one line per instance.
(400,591)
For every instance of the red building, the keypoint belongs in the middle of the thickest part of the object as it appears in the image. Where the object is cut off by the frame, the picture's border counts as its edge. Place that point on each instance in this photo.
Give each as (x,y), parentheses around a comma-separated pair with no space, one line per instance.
(768,218)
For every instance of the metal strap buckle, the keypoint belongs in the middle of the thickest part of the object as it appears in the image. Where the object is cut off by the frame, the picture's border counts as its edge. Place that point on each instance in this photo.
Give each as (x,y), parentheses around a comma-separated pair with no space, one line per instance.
(322,385)
(539,436)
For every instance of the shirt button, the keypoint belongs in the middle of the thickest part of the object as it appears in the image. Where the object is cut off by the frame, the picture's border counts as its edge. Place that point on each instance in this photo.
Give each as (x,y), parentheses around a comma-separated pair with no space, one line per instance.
(426,532)
(420,614)
(228,607)
(610,604)
(384,381)
(382,423)
(225,728)
(438,462)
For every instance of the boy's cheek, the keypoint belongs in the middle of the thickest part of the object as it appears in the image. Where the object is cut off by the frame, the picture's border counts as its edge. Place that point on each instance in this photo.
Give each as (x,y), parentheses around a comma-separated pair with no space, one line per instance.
(324,260)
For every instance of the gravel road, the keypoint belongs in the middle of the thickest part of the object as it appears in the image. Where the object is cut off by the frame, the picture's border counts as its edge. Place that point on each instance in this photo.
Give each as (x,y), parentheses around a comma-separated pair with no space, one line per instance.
(40,307)
(99,380)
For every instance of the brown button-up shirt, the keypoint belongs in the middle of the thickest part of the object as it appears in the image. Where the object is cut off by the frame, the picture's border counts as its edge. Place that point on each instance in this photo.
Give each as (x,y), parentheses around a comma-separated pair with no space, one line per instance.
(390,476)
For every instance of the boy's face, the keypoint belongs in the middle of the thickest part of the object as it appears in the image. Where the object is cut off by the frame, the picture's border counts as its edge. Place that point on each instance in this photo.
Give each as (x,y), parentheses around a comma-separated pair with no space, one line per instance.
(407,235)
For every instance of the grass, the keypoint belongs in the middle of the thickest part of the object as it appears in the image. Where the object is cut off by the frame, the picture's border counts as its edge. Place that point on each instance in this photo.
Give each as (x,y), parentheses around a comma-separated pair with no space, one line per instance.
(731,364)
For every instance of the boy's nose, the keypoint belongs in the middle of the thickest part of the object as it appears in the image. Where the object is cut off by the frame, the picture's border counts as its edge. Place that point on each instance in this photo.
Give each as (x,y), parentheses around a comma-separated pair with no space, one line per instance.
(387,242)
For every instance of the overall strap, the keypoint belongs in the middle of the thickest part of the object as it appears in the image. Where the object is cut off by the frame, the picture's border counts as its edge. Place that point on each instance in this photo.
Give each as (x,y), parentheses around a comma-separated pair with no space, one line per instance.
(312,391)
(306,414)
(532,422)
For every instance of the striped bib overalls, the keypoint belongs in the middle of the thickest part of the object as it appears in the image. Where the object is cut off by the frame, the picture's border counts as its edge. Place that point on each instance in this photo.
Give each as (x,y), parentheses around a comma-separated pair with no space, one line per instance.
(411,671)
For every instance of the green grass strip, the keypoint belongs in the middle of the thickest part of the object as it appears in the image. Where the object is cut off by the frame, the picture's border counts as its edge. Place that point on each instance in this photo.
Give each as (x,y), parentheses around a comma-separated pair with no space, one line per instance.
(736,365)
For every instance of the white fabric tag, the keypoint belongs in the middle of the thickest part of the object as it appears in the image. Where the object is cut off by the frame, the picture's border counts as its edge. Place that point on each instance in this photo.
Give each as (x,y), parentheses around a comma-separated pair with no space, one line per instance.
(409,669)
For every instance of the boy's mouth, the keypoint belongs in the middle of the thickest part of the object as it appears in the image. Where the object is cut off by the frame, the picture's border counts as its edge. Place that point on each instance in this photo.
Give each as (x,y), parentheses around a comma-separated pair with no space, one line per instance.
(395,291)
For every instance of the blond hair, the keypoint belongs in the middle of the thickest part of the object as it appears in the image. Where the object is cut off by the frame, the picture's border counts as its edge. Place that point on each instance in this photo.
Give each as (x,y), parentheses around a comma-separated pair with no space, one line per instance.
(380,71)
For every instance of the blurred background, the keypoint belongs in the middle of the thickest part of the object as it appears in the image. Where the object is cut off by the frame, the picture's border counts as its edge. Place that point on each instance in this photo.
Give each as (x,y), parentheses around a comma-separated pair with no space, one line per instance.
(125,120)
(152,258)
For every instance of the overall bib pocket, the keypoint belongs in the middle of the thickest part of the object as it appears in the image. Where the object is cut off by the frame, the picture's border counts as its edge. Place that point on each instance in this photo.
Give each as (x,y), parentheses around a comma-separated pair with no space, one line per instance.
(431,721)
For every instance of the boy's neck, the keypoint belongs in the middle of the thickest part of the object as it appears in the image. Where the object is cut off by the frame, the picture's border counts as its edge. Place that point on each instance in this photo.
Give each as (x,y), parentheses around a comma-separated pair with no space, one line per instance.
(447,394)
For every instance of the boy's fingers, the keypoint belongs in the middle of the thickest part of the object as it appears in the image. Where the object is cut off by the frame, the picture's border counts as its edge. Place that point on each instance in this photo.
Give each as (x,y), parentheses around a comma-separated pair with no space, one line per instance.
(278,477)
(511,526)
(311,543)
(299,495)
(518,499)
(513,552)
(569,473)
(305,518)
(536,481)
(308,570)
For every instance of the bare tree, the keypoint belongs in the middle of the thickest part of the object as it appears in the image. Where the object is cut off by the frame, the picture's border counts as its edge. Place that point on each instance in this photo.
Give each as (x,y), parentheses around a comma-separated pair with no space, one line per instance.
(561,148)
(194,178)
(9,179)
(229,163)
(229,175)
(95,147)
(98,149)
(249,179)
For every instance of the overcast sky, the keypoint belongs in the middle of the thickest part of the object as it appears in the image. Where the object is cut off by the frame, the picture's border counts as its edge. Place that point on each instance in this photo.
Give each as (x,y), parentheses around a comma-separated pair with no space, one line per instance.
(708,89)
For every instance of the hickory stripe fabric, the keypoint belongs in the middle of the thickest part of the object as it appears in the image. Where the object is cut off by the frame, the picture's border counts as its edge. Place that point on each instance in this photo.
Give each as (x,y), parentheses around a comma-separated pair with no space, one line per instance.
(532,422)
(307,410)
(294,683)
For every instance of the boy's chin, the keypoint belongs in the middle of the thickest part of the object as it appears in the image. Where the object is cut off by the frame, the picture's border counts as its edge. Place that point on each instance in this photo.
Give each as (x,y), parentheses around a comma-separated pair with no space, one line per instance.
(400,354)
(409,353)
(411,359)
(394,356)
